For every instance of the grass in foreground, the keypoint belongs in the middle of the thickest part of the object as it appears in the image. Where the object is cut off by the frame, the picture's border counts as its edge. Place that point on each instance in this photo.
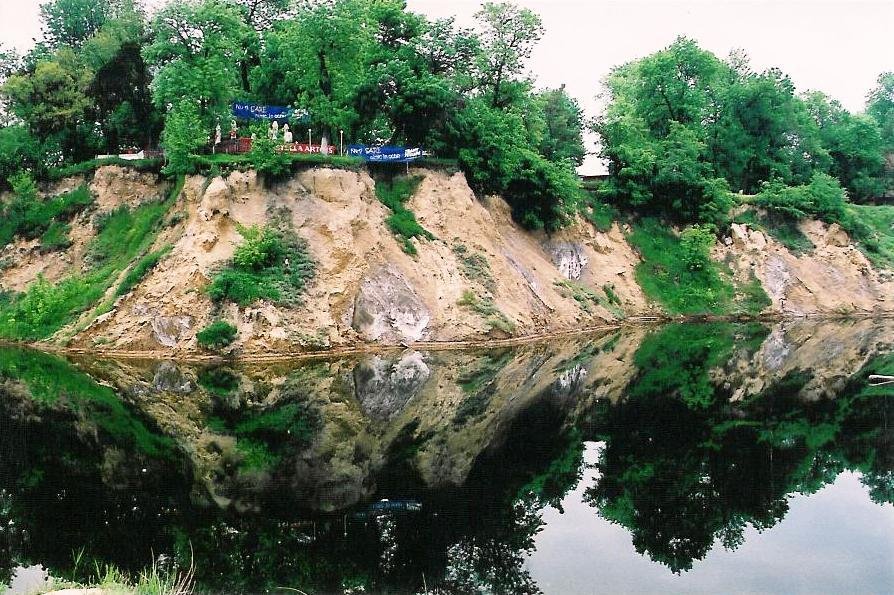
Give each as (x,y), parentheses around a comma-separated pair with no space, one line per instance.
(110,579)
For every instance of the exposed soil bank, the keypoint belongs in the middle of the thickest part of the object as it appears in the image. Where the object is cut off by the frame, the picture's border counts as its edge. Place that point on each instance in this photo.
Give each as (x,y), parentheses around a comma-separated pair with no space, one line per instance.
(367,292)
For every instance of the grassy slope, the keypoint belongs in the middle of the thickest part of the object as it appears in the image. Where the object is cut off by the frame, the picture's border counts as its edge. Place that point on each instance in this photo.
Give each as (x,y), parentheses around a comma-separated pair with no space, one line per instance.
(665,278)
(45,308)
(394,194)
(880,220)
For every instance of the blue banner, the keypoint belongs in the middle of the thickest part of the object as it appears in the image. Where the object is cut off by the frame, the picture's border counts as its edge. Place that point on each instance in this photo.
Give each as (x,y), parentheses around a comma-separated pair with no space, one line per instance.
(384,154)
(254,111)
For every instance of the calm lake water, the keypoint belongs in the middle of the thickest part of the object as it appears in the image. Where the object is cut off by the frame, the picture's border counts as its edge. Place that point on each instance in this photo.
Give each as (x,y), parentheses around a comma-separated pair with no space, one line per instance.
(686,458)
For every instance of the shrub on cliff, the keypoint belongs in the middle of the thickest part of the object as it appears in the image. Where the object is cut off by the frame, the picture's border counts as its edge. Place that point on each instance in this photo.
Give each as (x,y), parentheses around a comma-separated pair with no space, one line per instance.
(822,198)
(30,216)
(216,335)
(394,194)
(270,264)
(266,159)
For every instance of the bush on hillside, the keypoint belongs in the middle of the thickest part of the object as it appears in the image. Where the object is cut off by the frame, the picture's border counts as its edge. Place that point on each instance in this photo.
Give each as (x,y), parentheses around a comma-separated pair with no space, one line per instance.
(822,198)
(270,264)
(261,248)
(394,193)
(696,242)
(266,159)
(30,216)
(216,335)
(55,237)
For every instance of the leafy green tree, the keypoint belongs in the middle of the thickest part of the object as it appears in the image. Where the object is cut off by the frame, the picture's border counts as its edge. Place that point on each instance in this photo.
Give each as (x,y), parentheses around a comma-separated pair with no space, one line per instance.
(183,134)
(563,126)
(260,15)
(682,126)
(448,52)
(508,34)
(653,134)
(880,106)
(403,91)
(763,131)
(823,198)
(72,22)
(19,150)
(497,155)
(197,46)
(53,104)
(854,144)
(121,85)
(317,61)
(9,64)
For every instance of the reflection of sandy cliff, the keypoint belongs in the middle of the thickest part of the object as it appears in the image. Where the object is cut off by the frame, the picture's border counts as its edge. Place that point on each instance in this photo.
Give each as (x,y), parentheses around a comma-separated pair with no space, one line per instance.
(437,412)
(828,351)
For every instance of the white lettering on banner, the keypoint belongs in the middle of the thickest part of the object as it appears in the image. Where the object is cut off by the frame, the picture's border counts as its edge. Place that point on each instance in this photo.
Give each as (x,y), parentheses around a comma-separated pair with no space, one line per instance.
(305,148)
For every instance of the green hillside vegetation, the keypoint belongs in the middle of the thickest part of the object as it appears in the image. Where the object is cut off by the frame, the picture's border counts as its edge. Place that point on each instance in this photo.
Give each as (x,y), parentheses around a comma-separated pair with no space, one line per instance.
(394,193)
(122,235)
(271,263)
(681,277)
(877,241)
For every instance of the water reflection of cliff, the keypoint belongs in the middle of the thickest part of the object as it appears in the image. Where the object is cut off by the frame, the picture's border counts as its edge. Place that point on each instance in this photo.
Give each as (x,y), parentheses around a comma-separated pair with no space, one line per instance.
(266,472)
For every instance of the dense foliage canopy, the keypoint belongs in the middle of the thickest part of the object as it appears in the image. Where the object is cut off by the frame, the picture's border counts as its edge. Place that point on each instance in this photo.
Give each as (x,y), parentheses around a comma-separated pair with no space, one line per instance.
(682,130)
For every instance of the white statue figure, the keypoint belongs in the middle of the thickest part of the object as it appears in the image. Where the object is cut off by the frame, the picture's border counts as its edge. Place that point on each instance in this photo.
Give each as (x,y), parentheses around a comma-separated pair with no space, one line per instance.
(233,129)
(217,134)
(324,145)
(275,130)
(286,134)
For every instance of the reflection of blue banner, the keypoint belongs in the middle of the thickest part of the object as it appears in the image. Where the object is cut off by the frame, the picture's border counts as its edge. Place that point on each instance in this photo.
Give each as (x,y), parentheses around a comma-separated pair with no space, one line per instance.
(254,111)
(384,154)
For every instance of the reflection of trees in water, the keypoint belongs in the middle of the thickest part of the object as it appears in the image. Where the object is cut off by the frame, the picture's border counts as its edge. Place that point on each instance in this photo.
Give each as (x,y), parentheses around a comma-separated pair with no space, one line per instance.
(80,469)
(682,470)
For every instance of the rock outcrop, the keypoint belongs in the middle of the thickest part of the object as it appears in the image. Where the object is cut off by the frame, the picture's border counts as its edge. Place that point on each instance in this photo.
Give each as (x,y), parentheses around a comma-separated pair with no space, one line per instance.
(388,310)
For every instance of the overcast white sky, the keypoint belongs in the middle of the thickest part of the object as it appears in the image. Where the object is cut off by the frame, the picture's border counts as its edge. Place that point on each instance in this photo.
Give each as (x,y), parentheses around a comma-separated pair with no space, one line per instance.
(837,47)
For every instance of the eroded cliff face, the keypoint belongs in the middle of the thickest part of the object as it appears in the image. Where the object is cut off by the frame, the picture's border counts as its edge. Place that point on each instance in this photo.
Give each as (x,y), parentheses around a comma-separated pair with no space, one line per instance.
(367,289)
(834,278)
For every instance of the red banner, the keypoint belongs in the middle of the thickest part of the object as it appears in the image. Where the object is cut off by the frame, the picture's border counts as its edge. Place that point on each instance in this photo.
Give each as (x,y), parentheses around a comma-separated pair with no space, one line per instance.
(305,148)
